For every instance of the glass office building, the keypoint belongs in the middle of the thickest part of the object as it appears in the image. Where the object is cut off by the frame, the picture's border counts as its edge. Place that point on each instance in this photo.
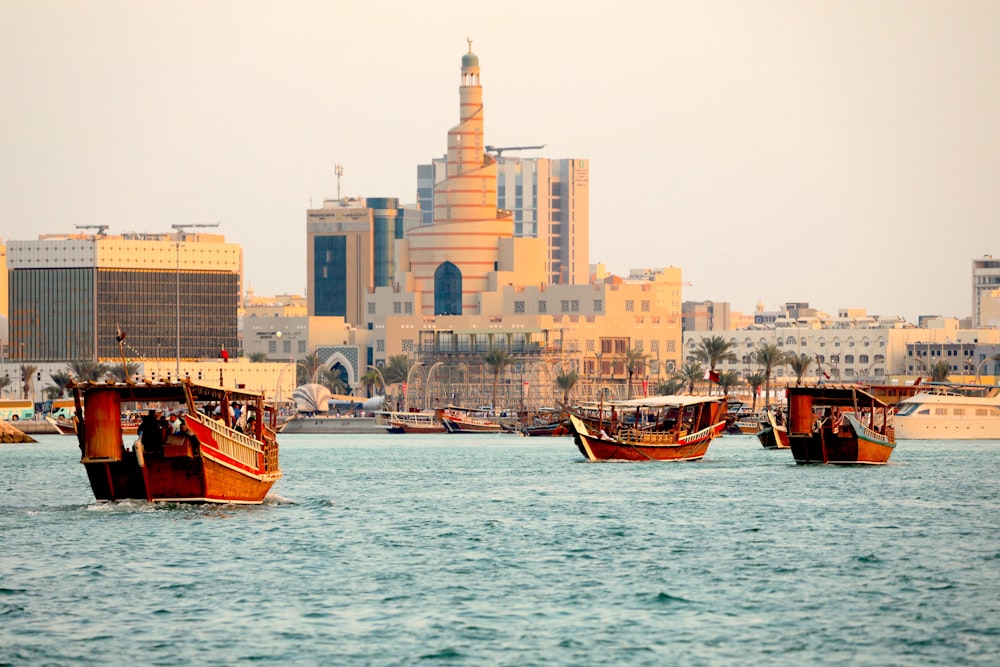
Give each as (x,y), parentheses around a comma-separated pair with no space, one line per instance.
(69,298)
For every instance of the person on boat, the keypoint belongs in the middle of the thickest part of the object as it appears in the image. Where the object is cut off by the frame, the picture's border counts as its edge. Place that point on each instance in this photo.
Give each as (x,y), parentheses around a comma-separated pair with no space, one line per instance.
(175,424)
(150,431)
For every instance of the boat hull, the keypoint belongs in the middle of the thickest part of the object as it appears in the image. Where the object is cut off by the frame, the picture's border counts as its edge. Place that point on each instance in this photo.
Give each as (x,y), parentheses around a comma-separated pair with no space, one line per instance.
(181,479)
(771,437)
(474,426)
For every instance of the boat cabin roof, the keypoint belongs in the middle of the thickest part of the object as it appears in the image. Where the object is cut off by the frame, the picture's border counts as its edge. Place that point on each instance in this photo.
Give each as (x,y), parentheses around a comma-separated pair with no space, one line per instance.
(163,391)
(836,394)
(666,401)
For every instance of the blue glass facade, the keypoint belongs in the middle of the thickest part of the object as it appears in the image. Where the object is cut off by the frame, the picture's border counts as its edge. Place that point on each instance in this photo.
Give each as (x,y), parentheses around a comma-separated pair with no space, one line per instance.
(330,276)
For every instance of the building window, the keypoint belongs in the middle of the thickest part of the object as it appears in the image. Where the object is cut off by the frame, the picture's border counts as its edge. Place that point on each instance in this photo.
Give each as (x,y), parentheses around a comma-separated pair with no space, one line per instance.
(519,306)
(644,306)
(575,306)
(598,305)
(629,306)
(380,345)
(302,347)
(654,346)
(565,305)
(407,345)
(408,307)
(371,307)
(670,346)
(272,346)
(542,306)
(397,307)
(286,346)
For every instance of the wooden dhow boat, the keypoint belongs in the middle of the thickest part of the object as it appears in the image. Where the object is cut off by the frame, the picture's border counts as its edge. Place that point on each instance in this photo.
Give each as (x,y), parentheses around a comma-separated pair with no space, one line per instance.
(773,433)
(412,422)
(207,460)
(839,424)
(655,428)
(464,420)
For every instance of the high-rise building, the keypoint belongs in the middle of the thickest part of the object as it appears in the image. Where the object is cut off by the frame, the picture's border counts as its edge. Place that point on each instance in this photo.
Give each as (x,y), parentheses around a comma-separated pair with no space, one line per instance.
(986,292)
(350,248)
(170,294)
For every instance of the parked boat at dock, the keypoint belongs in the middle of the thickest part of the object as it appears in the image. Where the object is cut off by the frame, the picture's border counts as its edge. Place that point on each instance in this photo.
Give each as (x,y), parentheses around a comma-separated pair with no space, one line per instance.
(949,411)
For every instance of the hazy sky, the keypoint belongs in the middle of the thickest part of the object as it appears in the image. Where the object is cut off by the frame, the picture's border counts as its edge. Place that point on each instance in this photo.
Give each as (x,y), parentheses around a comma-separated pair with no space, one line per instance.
(841,153)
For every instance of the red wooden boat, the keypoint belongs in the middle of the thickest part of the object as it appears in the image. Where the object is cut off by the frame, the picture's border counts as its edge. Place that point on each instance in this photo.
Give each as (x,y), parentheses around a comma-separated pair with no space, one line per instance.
(206,461)
(839,424)
(663,428)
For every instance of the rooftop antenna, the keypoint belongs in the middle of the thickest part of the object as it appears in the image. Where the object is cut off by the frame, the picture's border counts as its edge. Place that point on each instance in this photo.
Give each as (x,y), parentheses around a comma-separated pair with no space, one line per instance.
(339,170)
(100,229)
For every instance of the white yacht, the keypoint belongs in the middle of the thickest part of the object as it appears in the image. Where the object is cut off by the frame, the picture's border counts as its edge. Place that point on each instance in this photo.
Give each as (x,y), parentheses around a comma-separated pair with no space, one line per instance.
(950,412)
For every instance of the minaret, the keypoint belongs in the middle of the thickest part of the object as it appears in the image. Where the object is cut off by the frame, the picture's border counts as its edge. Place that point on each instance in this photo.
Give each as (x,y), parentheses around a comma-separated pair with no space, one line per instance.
(451,260)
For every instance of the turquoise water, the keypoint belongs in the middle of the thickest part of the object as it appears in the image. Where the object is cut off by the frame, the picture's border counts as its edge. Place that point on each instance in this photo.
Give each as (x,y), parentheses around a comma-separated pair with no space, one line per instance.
(499,550)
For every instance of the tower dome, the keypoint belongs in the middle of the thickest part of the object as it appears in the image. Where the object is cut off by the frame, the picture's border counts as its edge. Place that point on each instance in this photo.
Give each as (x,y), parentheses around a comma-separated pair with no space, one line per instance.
(470,59)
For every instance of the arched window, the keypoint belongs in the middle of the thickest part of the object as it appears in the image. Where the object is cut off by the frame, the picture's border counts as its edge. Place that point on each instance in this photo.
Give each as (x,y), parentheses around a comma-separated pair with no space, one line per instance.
(447,290)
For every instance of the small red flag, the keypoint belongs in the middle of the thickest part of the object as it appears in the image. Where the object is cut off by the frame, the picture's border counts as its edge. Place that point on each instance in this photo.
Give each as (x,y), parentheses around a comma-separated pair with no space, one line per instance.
(224,355)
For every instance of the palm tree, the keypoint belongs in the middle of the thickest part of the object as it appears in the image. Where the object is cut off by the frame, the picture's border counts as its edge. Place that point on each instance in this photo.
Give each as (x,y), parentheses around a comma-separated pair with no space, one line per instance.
(768,355)
(940,371)
(497,359)
(755,381)
(28,374)
(691,372)
(728,380)
(713,350)
(257,357)
(669,387)
(800,366)
(85,370)
(4,382)
(371,379)
(331,380)
(123,373)
(61,380)
(307,369)
(397,368)
(634,360)
(566,382)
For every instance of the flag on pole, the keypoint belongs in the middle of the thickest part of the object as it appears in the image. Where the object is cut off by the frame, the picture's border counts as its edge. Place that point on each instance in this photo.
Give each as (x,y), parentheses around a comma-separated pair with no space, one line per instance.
(119,334)
(224,355)
(712,376)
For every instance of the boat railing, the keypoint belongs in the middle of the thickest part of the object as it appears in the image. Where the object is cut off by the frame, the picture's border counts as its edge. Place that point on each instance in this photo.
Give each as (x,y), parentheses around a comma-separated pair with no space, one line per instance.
(237,446)
(699,435)
(868,432)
